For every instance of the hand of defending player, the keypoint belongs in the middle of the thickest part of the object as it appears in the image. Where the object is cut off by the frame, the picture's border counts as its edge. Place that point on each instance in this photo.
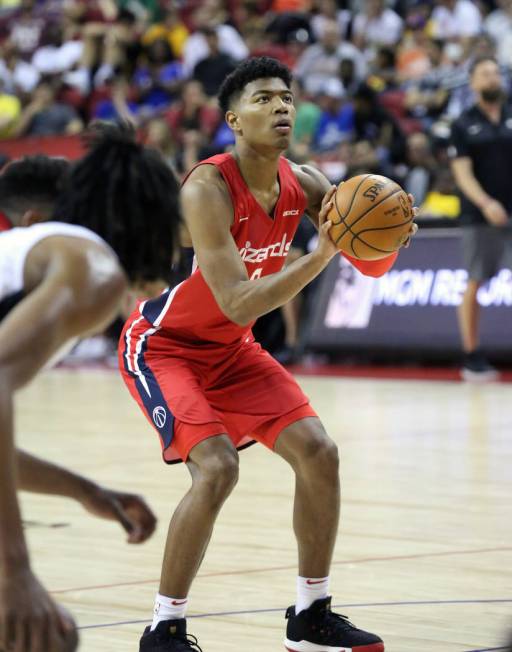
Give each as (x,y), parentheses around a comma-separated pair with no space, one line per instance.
(129,510)
(495,213)
(30,621)
(326,247)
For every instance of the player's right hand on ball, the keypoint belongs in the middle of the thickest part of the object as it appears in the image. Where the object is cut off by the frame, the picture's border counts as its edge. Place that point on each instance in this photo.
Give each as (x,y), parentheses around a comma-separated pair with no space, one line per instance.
(326,247)
(30,621)
(495,213)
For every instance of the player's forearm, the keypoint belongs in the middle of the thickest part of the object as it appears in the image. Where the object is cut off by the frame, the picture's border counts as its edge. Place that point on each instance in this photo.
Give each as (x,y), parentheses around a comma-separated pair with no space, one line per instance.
(250,299)
(13,549)
(39,476)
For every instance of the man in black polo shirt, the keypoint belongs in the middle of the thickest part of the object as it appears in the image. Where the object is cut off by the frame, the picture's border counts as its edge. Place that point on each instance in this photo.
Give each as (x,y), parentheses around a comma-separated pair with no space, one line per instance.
(481,155)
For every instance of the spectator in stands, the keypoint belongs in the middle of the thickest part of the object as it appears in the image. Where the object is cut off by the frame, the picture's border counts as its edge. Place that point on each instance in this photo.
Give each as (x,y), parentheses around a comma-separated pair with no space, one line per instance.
(196,46)
(159,136)
(365,158)
(382,70)
(159,78)
(498,25)
(19,77)
(54,55)
(117,103)
(481,161)
(283,25)
(193,123)
(421,166)
(306,122)
(374,124)
(456,20)
(336,122)
(442,201)
(45,116)
(328,10)
(348,77)
(109,46)
(25,29)
(320,62)
(171,28)
(251,23)
(145,11)
(426,98)
(215,67)
(376,25)
(412,55)
(10,111)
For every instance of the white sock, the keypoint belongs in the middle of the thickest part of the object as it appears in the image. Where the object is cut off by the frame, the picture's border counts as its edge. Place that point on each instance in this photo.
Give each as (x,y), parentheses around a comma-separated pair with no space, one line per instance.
(310,589)
(168,609)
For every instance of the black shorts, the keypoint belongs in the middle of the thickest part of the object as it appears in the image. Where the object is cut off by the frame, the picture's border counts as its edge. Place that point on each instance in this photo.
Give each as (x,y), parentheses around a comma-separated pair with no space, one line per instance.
(486,249)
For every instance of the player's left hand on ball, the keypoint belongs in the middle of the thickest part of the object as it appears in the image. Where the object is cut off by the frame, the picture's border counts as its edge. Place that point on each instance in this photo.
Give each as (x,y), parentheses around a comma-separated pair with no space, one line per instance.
(129,510)
(406,239)
(326,247)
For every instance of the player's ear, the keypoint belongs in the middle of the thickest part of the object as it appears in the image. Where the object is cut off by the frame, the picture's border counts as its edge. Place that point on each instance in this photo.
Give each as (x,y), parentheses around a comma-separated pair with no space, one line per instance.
(31,217)
(232,120)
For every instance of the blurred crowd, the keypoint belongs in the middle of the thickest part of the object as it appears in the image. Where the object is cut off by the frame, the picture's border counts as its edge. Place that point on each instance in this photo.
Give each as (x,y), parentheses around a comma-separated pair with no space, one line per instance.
(378,82)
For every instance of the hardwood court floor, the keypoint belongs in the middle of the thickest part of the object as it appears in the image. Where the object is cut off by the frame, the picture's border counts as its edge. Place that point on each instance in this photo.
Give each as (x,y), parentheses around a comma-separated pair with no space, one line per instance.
(425,553)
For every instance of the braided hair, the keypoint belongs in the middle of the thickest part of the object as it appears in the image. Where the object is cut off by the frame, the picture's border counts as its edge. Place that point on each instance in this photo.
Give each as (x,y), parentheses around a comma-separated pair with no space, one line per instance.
(128,195)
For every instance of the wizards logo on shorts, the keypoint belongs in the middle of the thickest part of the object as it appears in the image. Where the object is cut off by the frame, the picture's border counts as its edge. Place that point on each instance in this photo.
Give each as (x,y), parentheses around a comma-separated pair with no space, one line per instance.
(159,416)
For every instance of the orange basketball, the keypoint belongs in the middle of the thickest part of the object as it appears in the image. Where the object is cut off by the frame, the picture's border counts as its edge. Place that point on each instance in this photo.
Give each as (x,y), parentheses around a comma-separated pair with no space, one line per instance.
(371,216)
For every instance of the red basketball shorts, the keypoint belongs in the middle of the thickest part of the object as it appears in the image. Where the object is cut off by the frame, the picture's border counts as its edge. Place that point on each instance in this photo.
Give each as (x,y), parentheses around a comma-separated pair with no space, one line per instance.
(189,395)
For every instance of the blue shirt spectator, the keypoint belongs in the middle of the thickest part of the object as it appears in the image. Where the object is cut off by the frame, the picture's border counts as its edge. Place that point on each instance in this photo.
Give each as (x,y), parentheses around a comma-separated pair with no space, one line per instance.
(336,123)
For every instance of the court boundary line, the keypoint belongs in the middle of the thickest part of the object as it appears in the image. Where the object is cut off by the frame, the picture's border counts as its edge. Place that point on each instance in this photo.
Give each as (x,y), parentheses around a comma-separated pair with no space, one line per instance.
(250,612)
(449,374)
(489,649)
(248,571)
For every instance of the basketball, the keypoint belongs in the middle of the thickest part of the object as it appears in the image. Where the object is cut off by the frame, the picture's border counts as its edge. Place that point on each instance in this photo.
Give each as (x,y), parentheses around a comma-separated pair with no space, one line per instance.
(371,216)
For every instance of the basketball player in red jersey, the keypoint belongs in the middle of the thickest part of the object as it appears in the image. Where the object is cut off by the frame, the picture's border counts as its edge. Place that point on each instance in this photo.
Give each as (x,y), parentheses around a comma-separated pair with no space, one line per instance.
(191,362)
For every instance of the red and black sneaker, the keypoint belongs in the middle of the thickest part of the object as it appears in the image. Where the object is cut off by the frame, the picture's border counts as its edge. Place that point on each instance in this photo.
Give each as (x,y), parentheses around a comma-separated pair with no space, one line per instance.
(318,629)
(169,636)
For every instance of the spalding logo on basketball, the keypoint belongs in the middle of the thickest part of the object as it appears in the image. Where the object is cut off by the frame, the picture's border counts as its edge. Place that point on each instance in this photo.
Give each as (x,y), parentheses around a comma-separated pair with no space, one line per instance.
(159,416)
(371,216)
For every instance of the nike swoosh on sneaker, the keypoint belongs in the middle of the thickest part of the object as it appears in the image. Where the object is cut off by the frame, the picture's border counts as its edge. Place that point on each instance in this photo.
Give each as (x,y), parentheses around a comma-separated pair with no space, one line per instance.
(179,604)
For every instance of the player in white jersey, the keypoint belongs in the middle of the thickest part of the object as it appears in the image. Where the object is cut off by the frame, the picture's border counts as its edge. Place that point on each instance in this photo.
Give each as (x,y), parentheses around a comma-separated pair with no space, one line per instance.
(34,474)
(29,188)
(117,220)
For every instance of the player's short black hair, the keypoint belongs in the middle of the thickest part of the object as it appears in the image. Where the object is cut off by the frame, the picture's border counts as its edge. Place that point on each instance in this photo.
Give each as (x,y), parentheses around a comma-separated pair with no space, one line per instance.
(129,196)
(31,183)
(480,59)
(248,71)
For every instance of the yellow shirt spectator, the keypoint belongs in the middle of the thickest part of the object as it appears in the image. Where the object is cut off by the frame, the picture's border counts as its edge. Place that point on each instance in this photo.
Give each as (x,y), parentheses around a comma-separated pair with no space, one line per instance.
(172,30)
(10,110)
(437,204)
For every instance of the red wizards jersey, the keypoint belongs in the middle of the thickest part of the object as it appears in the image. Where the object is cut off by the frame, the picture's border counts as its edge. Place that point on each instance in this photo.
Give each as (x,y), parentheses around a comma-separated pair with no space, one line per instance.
(189,312)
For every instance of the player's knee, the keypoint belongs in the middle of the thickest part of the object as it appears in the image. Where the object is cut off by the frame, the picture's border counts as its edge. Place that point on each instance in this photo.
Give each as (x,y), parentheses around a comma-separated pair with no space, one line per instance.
(312,449)
(219,474)
(326,456)
(321,454)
